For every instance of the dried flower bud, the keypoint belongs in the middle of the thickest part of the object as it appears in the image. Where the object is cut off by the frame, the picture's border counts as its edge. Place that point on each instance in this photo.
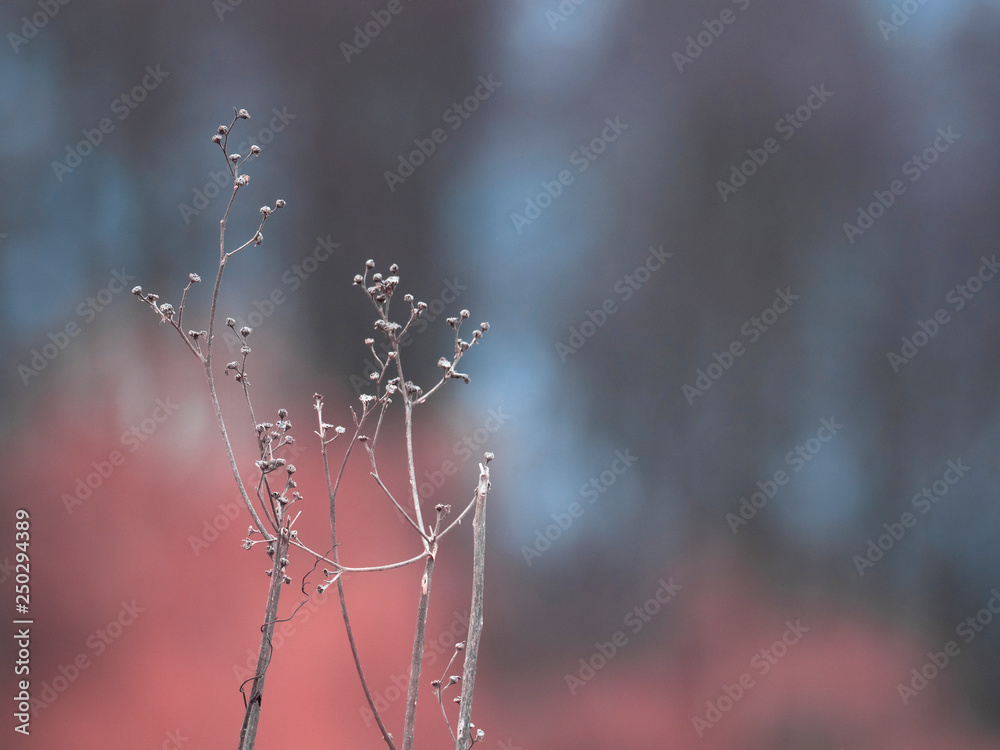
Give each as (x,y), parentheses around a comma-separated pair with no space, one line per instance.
(359,279)
(195,278)
(421,306)
(265,210)
(258,238)
(393,268)
(234,158)
(369,263)
(282,413)
(488,456)
(152,297)
(137,291)
(480,735)
(246,331)
(376,277)
(242,180)
(452,322)
(339,430)
(464,314)
(255,149)
(243,114)
(408,298)
(230,322)
(484,327)
(369,342)
(223,130)
(244,350)
(290,468)
(216,139)
(280,203)
(268,573)
(460,646)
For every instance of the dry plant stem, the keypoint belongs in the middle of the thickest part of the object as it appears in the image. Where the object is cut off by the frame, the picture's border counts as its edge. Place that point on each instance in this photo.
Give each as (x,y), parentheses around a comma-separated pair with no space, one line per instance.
(211,375)
(248,733)
(410,721)
(476,609)
(332,492)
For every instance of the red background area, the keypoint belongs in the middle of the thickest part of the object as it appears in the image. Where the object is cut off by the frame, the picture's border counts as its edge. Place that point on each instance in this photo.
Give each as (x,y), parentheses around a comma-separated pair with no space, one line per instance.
(143,542)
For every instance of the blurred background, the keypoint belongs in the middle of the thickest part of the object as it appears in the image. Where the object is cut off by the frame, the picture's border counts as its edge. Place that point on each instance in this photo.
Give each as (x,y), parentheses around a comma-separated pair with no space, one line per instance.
(739,263)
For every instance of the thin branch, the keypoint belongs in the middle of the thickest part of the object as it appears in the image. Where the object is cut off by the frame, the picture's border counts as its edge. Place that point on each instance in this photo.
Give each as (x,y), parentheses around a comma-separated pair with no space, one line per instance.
(416,658)
(248,732)
(332,492)
(371,569)
(476,610)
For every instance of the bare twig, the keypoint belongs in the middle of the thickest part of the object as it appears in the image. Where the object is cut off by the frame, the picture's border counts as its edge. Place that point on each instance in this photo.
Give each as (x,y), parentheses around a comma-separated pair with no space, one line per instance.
(248,732)
(409,723)
(476,610)
(332,493)
(274,499)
